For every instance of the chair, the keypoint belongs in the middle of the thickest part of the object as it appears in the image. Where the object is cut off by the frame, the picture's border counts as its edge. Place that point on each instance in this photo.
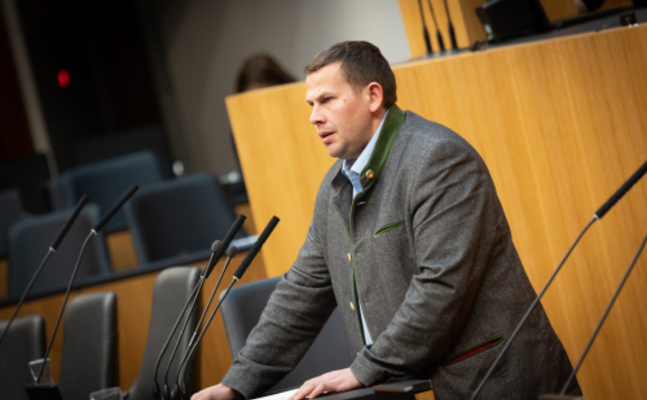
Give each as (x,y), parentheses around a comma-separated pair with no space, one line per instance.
(104,182)
(24,342)
(30,238)
(178,217)
(11,207)
(172,290)
(89,360)
(241,311)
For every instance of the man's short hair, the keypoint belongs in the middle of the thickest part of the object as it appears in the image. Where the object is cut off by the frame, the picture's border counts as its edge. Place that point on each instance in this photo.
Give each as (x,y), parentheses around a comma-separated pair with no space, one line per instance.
(361,63)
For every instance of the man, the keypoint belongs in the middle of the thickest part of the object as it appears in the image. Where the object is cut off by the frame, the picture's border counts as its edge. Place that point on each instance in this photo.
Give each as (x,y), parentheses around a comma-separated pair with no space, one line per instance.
(410,240)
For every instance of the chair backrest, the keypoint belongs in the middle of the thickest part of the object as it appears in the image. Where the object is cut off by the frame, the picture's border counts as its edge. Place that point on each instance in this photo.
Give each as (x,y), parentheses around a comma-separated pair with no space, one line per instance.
(172,289)
(11,212)
(30,238)
(23,343)
(104,182)
(241,311)
(89,360)
(177,217)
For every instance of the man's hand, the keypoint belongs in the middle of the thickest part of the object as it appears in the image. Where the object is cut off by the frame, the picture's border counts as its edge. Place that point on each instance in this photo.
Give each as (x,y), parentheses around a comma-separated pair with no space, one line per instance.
(217,392)
(334,381)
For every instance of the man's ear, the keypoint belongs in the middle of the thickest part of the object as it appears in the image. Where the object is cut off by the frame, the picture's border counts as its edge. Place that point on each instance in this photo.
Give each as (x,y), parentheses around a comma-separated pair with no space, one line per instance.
(375,96)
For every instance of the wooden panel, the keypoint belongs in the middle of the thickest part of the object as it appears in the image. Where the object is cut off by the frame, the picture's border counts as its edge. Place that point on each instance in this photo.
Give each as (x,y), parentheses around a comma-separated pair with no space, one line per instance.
(466,24)
(134,297)
(561,125)
(284,162)
(121,250)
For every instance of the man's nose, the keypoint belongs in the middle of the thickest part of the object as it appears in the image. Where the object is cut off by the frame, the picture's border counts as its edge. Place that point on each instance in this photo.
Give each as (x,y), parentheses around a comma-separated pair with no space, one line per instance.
(316,117)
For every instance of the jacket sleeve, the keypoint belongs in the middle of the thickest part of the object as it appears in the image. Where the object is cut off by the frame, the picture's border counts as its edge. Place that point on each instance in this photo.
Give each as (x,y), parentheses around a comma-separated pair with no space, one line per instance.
(295,313)
(452,216)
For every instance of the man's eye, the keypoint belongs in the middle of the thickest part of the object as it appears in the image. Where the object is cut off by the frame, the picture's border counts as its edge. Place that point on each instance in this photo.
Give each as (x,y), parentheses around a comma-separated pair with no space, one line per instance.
(327,100)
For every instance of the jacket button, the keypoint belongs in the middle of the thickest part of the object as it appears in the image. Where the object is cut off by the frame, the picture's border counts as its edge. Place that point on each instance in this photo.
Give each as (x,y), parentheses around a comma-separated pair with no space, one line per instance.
(370,174)
(349,257)
(352,306)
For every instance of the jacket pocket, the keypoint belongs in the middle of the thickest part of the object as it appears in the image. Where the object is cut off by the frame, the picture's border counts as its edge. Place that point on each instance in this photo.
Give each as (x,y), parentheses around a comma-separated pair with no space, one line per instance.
(474,350)
(387,228)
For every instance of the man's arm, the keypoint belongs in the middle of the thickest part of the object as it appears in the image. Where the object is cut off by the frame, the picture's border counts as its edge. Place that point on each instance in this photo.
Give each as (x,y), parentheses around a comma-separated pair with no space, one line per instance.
(296,312)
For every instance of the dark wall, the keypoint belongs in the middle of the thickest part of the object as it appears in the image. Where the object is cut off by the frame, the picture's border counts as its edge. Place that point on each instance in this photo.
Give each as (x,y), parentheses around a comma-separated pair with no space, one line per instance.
(101,46)
(15,139)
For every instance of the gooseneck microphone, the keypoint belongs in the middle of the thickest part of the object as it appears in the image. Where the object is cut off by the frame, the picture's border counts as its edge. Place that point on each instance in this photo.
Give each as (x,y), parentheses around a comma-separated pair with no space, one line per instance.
(238,223)
(604,316)
(439,37)
(93,232)
(231,253)
(217,249)
(621,192)
(51,250)
(182,369)
(598,215)
(425,32)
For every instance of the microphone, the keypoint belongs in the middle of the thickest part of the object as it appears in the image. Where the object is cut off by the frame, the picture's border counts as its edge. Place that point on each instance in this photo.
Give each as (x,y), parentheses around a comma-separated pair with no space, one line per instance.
(598,215)
(50,251)
(621,192)
(231,253)
(439,37)
(124,198)
(217,249)
(256,247)
(425,32)
(450,28)
(238,223)
(93,232)
(604,316)
(190,304)
(181,372)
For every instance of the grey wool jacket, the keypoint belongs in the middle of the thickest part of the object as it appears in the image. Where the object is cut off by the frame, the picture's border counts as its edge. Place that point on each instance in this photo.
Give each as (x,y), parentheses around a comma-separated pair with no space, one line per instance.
(427,252)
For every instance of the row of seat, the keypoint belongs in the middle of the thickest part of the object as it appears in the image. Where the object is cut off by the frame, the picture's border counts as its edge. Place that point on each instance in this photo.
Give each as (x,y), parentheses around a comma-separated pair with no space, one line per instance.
(89,360)
(167,219)
(103,181)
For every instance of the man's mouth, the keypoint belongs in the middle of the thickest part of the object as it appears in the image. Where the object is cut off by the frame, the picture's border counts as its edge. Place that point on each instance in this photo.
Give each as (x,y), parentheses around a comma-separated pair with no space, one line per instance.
(326,136)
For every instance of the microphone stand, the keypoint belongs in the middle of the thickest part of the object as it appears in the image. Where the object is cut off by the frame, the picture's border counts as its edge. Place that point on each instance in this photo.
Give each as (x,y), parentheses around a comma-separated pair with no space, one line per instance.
(604,316)
(50,251)
(601,212)
(93,232)
(231,252)
(67,295)
(251,254)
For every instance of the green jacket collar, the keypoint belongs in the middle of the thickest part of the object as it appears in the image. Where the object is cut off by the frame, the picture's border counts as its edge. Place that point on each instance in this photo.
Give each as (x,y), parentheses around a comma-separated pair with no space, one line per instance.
(376,162)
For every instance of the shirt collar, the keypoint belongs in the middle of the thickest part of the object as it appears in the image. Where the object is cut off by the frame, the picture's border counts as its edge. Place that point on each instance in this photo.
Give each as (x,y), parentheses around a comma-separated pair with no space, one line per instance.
(358,164)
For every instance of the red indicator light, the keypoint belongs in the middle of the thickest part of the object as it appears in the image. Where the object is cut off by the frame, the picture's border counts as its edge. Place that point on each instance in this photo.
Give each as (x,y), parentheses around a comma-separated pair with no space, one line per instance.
(63,78)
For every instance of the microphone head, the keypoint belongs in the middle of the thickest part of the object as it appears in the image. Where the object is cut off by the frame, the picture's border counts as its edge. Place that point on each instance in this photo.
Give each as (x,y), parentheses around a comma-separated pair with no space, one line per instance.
(217,246)
(232,251)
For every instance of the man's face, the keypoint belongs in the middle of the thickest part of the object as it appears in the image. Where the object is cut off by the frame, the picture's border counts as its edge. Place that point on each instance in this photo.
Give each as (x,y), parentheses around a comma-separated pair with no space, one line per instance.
(341,114)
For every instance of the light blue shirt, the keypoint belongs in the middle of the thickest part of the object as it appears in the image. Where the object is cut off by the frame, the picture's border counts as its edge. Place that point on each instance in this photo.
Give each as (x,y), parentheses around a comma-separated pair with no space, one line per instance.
(351,169)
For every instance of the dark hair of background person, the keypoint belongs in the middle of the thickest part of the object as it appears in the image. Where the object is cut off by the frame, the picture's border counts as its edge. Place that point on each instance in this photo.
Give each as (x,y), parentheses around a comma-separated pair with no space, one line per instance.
(261,70)
(362,63)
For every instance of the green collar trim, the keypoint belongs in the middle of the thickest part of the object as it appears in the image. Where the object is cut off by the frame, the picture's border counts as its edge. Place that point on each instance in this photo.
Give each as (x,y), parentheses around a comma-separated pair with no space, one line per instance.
(390,129)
